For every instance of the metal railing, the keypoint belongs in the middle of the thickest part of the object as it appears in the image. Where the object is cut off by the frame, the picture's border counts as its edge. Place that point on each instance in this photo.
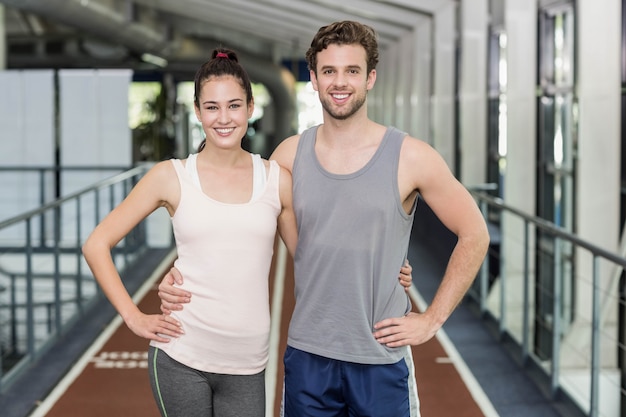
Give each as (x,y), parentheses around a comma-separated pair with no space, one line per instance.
(560,299)
(45,284)
(557,297)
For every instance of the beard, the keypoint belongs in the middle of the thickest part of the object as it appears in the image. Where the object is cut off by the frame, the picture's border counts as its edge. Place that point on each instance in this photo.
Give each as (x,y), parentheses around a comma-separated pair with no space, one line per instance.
(344,112)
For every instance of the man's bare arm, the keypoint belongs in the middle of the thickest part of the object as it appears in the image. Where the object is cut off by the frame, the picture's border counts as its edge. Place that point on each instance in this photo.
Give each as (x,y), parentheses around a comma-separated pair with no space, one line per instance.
(456,208)
(172,297)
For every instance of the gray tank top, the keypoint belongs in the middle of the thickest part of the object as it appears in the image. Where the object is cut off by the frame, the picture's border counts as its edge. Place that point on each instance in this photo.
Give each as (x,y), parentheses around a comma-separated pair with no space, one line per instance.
(353,239)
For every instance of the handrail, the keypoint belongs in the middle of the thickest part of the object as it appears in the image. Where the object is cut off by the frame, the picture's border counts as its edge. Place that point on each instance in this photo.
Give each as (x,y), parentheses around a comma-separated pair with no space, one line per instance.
(507,295)
(70,218)
(550,227)
(60,201)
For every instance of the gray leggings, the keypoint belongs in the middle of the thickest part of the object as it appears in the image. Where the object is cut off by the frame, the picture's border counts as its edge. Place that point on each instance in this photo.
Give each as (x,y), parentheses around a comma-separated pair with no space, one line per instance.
(181,391)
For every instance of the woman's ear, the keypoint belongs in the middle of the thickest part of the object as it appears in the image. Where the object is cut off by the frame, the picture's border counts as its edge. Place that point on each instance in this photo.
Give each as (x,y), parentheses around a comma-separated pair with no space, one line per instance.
(250,108)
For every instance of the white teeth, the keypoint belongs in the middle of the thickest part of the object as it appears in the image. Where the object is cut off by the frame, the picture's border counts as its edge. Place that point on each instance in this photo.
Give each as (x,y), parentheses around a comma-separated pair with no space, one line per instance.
(225,131)
(340,96)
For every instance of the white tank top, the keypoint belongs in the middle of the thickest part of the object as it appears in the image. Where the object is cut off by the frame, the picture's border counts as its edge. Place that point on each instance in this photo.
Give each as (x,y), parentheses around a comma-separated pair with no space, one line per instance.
(224,254)
(258,177)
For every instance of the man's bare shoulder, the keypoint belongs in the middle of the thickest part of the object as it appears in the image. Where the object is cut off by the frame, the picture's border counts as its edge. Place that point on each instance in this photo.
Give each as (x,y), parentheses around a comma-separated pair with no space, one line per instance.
(420,163)
(415,149)
(285,152)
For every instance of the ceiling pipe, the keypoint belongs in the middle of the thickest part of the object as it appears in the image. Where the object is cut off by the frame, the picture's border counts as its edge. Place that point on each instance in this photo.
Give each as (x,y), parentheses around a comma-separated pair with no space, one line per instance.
(100,21)
(92,17)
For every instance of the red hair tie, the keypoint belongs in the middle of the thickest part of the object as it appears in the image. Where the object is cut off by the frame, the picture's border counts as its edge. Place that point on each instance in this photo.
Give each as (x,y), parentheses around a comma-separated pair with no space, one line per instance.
(221,55)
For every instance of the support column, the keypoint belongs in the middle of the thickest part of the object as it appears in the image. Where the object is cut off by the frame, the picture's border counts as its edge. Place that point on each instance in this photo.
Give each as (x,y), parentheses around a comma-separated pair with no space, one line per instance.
(3,40)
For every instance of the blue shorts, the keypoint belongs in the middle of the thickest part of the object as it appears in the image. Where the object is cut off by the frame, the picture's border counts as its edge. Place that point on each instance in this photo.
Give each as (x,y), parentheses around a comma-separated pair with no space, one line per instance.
(316,386)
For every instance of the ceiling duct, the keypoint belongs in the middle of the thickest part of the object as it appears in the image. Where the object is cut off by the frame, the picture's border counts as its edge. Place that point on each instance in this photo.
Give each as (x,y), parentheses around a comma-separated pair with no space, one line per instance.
(92,17)
(101,21)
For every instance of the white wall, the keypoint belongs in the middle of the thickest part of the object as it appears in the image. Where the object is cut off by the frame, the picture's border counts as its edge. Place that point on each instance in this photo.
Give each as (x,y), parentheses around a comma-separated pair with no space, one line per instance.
(26,138)
(599,165)
(94,123)
(443,113)
(521,56)
(401,96)
(599,88)
(420,120)
(93,110)
(473,92)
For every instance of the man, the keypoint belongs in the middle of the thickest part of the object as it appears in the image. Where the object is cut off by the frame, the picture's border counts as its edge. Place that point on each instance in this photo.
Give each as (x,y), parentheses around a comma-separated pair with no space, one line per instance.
(356,185)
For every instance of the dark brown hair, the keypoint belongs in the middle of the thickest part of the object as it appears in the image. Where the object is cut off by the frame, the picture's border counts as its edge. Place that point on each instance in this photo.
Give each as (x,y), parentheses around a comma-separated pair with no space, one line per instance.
(346,32)
(223,62)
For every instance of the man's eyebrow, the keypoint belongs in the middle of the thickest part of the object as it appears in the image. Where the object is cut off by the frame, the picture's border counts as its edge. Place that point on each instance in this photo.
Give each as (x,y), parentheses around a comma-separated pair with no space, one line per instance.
(356,66)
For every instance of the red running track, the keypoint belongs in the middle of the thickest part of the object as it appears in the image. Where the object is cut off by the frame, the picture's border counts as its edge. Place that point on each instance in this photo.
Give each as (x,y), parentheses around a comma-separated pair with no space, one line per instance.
(112,379)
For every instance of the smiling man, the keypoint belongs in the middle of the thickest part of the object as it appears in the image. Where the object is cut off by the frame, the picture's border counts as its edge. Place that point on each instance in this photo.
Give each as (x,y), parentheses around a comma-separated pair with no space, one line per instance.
(356,184)
(355,189)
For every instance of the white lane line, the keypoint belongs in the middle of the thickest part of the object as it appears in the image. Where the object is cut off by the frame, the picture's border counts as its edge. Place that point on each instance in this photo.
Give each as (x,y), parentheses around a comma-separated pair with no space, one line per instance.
(275,314)
(80,365)
(455,357)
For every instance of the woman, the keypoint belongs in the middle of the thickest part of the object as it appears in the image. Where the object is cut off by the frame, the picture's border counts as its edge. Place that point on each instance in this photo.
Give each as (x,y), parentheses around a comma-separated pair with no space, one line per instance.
(225,205)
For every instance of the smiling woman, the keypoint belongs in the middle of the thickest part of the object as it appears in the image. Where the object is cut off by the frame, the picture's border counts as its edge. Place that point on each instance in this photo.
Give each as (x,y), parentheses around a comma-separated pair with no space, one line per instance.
(225,205)
(258,130)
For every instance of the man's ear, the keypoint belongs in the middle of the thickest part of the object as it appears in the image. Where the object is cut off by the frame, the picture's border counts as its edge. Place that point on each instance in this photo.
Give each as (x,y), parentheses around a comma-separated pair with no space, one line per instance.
(313,77)
(371,79)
